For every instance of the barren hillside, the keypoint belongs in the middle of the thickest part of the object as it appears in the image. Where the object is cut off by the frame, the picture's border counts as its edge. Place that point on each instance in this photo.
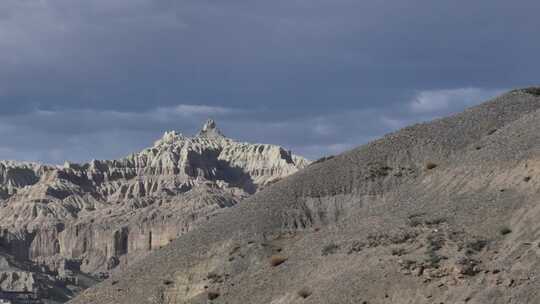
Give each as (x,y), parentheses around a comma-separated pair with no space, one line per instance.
(440,212)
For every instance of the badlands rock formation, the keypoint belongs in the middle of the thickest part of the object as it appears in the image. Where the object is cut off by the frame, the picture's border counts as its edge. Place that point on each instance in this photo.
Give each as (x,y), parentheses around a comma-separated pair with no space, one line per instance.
(440,212)
(99,217)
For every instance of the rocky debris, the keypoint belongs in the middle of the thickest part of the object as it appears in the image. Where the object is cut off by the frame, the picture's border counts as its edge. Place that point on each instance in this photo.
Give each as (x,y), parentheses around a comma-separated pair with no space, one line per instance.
(373,240)
(277,260)
(102,216)
(467,266)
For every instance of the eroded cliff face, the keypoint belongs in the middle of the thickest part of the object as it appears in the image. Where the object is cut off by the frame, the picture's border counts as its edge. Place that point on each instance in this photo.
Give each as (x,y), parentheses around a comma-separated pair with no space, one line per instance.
(100,216)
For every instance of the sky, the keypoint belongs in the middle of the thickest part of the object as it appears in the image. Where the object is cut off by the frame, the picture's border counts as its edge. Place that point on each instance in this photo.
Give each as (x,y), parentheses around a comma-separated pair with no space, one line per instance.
(99,79)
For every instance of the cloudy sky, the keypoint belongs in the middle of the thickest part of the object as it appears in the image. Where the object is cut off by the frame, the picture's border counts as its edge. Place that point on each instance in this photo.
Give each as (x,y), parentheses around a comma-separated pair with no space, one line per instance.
(84,79)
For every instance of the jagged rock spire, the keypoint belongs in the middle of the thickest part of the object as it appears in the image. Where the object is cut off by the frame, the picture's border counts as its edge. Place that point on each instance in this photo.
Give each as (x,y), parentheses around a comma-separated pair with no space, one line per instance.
(169,137)
(210,124)
(210,129)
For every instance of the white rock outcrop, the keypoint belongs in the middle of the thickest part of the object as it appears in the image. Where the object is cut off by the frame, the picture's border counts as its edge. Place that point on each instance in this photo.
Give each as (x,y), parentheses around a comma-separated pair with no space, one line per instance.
(101,215)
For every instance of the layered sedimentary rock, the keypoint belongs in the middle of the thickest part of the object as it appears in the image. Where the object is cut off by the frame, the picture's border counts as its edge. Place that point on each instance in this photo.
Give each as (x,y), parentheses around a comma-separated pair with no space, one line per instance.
(103,215)
(25,282)
(18,281)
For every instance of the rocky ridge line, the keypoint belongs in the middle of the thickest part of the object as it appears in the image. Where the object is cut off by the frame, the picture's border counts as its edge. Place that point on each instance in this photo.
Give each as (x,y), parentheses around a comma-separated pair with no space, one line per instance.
(100,216)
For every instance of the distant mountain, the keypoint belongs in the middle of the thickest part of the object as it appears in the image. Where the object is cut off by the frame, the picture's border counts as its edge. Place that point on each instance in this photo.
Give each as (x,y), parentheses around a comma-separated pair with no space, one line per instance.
(91,219)
(439,212)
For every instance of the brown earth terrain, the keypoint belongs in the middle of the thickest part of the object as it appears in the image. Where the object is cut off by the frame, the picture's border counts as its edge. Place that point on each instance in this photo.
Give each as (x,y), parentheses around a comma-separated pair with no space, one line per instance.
(440,212)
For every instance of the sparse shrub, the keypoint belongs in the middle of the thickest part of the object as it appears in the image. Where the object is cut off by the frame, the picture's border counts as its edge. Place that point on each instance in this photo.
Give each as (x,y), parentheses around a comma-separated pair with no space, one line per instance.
(533,91)
(526,178)
(408,264)
(398,251)
(304,293)
(435,221)
(356,246)
(474,246)
(330,249)
(376,170)
(322,159)
(505,230)
(414,222)
(432,259)
(492,131)
(431,166)
(214,277)
(401,236)
(277,260)
(435,241)
(212,295)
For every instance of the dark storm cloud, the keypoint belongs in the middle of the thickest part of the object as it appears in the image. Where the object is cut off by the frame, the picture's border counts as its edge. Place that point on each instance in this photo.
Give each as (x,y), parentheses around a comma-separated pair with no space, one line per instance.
(99,78)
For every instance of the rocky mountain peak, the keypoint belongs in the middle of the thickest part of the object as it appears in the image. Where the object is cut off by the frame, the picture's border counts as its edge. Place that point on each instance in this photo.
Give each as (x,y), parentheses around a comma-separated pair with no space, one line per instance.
(169,137)
(101,216)
(210,129)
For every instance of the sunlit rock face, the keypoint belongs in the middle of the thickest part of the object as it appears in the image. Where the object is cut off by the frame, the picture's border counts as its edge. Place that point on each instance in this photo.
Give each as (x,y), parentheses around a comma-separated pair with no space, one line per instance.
(105,214)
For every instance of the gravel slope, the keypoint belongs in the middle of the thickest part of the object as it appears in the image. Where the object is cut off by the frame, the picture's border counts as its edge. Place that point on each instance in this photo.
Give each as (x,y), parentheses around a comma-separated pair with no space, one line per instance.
(441,212)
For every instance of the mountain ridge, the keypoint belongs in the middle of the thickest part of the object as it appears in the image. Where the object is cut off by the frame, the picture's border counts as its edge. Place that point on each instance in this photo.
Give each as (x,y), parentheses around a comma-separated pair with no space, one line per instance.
(97,217)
